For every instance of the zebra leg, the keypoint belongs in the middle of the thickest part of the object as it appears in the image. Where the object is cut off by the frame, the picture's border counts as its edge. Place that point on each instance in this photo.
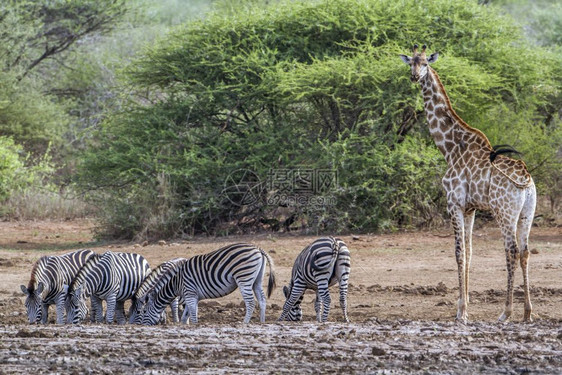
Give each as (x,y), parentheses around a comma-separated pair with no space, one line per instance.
(343,299)
(260,296)
(111,301)
(292,299)
(174,307)
(44,313)
(185,314)
(59,304)
(96,316)
(323,295)
(190,309)
(120,312)
(248,297)
(317,307)
(163,317)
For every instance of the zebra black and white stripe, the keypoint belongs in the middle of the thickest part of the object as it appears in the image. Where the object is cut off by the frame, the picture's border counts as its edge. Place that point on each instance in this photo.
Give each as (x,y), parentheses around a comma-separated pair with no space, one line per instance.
(141,296)
(214,275)
(113,277)
(320,265)
(46,285)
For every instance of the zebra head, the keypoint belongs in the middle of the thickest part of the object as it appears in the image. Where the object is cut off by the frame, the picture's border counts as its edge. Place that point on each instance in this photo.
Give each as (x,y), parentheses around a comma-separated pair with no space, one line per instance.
(151,315)
(76,306)
(295,313)
(136,311)
(34,302)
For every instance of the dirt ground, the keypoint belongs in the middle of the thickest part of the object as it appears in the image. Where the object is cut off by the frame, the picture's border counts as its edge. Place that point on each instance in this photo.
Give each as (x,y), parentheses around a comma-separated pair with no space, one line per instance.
(402,303)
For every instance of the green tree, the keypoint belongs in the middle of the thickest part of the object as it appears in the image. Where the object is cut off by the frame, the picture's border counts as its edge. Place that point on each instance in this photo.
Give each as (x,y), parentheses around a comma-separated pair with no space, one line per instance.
(313,84)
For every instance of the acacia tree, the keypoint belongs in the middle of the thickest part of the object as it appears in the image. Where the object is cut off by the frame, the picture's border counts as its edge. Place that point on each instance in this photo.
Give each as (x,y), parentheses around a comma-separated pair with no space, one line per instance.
(314,84)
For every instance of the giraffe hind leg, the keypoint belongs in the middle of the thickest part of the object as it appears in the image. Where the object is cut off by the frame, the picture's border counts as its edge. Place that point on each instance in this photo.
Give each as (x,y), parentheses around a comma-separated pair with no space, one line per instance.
(511,257)
(523,229)
(468,225)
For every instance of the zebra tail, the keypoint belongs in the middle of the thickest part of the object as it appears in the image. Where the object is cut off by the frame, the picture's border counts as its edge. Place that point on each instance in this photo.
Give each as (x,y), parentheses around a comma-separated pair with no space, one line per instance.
(271,283)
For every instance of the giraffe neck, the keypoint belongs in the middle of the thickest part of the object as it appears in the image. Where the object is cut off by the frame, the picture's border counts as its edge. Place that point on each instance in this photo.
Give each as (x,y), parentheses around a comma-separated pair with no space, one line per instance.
(454,138)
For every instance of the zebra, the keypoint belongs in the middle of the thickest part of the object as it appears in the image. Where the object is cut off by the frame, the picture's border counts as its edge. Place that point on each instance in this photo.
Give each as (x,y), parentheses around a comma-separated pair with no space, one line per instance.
(141,296)
(48,276)
(214,275)
(113,277)
(320,265)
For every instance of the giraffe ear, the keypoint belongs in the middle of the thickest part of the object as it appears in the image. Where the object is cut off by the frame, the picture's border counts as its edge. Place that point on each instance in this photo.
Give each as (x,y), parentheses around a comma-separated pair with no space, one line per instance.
(405,58)
(433,57)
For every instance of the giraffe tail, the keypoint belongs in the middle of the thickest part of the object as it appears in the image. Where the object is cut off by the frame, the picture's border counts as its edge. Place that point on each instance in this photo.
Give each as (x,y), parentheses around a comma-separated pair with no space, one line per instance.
(502,149)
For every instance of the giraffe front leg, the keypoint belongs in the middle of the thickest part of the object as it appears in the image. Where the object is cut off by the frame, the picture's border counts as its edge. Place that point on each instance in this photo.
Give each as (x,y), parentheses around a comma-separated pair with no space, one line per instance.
(468,225)
(457,219)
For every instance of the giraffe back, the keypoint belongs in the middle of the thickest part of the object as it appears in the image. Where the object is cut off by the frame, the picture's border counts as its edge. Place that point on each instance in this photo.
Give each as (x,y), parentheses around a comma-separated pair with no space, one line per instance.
(515,170)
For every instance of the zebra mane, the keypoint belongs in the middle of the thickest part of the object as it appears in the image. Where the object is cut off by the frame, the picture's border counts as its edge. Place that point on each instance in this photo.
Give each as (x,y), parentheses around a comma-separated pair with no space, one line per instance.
(81,275)
(167,276)
(34,270)
(156,275)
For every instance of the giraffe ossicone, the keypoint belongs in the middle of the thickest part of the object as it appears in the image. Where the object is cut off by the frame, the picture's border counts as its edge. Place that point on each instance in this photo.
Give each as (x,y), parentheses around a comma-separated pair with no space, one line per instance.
(478,177)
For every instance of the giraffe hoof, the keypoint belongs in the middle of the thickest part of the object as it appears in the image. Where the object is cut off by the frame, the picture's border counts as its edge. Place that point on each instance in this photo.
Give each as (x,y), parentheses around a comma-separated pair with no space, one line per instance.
(503,317)
(462,320)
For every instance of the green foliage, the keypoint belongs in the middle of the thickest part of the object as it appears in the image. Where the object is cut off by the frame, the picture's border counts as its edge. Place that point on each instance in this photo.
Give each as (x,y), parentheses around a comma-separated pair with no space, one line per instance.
(541,19)
(15,173)
(314,84)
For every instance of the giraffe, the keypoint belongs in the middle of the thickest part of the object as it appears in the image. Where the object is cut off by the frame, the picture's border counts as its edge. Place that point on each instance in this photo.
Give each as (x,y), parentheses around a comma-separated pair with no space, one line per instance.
(479,177)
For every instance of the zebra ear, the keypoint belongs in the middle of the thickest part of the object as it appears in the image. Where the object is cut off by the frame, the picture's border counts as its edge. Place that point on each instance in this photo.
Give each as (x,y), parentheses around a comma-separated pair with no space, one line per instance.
(24,290)
(40,287)
(78,291)
(286,291)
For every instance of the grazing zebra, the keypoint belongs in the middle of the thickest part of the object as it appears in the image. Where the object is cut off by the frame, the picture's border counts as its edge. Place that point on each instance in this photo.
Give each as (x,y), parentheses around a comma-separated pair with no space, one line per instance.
(48,277)
(214,275)
(141,296)
(113,277)
(317,267)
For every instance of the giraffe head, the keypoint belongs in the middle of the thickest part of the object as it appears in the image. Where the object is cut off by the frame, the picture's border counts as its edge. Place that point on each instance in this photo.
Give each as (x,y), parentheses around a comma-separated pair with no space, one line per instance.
(419,62)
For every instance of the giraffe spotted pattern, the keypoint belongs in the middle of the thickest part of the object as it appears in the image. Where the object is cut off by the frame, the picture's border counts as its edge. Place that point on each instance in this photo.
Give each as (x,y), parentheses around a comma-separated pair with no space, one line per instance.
(476,181)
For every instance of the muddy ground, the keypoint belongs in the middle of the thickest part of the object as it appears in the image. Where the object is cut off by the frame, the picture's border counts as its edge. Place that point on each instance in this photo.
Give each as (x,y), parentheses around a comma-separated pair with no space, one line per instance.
(402,305)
